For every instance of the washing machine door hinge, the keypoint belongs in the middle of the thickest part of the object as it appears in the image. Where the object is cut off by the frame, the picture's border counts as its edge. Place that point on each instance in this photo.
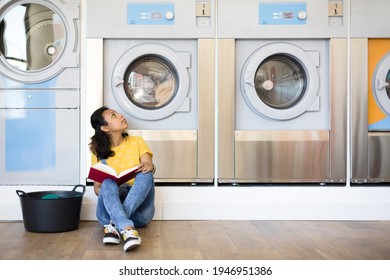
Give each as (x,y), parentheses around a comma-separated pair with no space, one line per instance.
(315,106)
(186,106)
(186,57)
(74,10)
(315,56)
(72,60)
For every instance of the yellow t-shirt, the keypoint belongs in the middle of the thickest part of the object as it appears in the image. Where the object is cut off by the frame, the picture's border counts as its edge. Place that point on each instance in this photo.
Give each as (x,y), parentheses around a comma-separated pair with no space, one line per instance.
(127,154)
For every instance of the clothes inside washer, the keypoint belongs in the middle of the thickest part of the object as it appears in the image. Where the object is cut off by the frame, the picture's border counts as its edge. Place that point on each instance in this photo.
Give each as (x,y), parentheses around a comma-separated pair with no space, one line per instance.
(164,92)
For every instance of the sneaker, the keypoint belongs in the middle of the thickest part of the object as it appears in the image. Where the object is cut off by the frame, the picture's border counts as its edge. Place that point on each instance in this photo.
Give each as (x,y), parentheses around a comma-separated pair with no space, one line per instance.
(131,239)
(111,235)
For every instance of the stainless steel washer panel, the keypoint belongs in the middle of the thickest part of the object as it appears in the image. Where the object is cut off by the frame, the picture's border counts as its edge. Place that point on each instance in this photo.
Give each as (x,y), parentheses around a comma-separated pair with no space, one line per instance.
(378,156)
(282,156)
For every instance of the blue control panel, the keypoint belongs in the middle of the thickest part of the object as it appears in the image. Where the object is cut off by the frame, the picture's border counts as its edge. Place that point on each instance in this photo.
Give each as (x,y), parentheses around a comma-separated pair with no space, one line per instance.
(282,13)
(150,13)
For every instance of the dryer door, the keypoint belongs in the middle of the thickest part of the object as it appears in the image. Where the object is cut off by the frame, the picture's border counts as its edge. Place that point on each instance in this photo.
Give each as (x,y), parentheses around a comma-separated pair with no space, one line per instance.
(280,81)
(151,81)
(381,84)
(37,40)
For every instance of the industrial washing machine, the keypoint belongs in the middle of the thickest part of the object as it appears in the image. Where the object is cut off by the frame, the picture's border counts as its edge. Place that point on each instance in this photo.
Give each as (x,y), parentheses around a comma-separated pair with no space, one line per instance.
(39,92)
(370,77)
(282,110)
(158,71)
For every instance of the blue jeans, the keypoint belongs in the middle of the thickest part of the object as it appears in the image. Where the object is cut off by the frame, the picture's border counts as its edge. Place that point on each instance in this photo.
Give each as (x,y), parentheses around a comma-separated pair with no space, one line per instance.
(136,209)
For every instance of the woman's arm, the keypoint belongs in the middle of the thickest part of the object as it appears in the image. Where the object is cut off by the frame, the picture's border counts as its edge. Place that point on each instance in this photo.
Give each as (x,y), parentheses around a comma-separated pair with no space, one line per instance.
(146,164)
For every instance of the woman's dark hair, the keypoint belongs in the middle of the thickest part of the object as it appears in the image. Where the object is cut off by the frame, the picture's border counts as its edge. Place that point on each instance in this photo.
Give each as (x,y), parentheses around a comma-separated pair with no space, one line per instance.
(100,144)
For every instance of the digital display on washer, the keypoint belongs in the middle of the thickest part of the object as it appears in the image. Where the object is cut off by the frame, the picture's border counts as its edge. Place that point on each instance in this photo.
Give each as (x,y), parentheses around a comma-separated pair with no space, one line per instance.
(150,13)
(282,13)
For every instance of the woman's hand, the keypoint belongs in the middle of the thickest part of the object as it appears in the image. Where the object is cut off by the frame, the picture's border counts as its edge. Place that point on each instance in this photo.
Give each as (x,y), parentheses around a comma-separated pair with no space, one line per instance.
(146,164)
(145,167)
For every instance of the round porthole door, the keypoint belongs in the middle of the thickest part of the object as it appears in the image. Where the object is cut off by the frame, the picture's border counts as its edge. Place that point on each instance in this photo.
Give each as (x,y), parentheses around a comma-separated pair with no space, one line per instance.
(151,81)
(38,39)
(381,84)
(280,81)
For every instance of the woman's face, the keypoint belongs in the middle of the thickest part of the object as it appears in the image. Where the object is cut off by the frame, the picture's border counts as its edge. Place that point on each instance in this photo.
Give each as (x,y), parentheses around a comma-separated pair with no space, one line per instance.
(115,122)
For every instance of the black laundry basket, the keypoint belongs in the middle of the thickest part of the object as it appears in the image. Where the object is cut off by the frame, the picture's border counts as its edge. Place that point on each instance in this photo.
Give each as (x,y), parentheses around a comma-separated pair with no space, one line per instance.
(51,211)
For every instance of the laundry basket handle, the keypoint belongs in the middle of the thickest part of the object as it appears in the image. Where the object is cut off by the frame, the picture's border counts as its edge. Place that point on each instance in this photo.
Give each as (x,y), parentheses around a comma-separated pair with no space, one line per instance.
(81,186)
(21,193)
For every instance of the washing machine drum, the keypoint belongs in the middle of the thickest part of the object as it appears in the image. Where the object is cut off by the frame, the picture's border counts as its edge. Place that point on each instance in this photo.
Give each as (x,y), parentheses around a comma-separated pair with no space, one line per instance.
(151,81)
(36,41)
(381,84)
(280,81)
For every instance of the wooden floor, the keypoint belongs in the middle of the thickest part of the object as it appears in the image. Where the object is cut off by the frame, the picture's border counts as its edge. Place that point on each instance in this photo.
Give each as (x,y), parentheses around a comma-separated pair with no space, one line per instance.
(208,240)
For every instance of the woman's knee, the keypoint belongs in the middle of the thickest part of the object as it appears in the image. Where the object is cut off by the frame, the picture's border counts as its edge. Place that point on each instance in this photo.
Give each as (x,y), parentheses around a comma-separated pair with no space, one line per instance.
(145,178)
(109,185)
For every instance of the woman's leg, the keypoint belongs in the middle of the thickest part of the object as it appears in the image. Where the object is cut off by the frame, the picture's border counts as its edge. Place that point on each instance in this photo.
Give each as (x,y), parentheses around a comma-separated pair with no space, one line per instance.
(144,214)
(139,203)
(101,212)
(109,206)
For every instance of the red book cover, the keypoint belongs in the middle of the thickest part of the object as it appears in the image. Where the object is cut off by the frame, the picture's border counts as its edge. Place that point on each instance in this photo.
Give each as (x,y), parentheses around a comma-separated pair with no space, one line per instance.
(99,172)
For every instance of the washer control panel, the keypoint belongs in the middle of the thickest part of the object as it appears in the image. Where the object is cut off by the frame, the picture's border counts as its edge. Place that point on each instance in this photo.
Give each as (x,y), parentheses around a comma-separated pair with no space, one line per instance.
(150,13)
(282,13)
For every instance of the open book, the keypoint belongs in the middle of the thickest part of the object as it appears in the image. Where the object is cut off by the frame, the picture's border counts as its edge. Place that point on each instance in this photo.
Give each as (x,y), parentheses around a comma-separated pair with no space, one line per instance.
(100,171)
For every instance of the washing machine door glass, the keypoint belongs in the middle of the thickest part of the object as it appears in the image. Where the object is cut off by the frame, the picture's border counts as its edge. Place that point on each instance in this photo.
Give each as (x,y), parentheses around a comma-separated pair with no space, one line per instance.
(32,37)
(381,84)
(388,84)
(150,82)
(280,81)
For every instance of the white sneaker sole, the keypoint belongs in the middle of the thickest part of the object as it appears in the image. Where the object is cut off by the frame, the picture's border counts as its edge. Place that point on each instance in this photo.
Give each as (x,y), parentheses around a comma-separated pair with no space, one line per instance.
(131,244)
(111,240)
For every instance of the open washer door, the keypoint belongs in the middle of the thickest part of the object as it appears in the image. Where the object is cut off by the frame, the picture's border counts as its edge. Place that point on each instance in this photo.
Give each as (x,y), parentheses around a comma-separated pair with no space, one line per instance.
(151,81)
(38,39)
(280,81)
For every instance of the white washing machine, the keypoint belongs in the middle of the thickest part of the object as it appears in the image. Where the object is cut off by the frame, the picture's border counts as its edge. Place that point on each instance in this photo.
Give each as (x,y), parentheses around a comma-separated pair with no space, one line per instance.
(280,84)
(39,92)
(158,69)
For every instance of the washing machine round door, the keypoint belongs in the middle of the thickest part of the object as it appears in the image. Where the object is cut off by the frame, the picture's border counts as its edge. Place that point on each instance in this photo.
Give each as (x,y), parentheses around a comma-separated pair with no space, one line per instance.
(381,84)
(151,82)
(37,39)
(280,81)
